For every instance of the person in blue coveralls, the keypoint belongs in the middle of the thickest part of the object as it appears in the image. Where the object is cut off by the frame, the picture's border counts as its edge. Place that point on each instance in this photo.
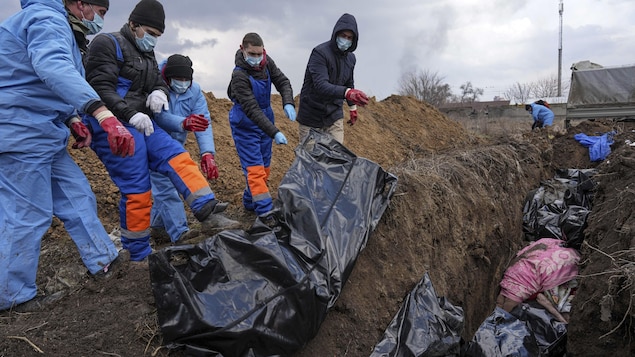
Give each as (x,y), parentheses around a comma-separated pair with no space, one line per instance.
(543,116)
(188,113)
(251,118)
(42,88)
(122,68)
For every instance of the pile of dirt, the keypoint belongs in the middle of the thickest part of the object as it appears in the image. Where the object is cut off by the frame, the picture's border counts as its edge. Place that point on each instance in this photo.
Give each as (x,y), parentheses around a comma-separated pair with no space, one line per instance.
(457,214)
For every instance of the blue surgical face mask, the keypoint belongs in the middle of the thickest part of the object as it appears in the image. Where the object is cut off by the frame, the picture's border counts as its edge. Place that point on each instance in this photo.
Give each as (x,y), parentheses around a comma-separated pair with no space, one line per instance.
(95,25)
(180,87)
(253,61)
(147,43)
(343,44)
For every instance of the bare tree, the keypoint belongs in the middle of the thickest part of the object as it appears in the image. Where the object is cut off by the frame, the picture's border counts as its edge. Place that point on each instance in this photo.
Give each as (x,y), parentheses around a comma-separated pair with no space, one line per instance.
(518,93)
(470,94)
(425,86)
(545,87)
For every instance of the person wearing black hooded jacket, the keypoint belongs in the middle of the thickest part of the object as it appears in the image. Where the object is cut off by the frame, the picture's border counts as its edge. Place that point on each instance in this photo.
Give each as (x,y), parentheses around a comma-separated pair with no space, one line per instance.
(328,80)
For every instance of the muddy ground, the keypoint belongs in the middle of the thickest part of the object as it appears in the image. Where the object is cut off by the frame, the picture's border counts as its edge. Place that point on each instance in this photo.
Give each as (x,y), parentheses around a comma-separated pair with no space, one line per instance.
(457,214)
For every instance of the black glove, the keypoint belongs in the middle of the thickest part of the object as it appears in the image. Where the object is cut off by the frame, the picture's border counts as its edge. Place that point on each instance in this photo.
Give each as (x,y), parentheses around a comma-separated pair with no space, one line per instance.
(534,125)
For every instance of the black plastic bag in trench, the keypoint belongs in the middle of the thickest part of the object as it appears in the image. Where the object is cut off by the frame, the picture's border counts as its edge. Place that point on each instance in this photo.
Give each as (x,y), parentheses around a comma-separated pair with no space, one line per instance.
(559,207)
(529,330)
(426,325)
(266,291)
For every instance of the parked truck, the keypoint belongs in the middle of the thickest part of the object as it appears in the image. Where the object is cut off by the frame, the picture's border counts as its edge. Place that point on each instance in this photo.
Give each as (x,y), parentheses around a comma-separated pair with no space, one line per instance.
(601,92)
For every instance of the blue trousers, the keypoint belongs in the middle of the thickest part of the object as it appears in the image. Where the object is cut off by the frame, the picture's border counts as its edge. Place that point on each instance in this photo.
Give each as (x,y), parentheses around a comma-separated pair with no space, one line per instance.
(34,186)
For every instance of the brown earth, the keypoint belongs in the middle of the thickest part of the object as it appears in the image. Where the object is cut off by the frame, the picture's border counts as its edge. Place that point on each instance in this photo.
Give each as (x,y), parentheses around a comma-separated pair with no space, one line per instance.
(457,214)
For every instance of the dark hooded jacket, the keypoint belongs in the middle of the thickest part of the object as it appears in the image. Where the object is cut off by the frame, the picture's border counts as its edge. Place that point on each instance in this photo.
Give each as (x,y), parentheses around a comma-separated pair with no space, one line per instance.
(139,70)
(329,73)
(240,91)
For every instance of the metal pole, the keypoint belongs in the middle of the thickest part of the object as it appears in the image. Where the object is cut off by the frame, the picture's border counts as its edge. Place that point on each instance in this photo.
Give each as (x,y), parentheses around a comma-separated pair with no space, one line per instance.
(560,11)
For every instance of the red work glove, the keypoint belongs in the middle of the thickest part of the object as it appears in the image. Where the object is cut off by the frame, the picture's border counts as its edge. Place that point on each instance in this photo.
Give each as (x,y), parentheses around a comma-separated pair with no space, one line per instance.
(356,96)
(119,138)
(195,122)
(208,166)
(353,119)
(81,134)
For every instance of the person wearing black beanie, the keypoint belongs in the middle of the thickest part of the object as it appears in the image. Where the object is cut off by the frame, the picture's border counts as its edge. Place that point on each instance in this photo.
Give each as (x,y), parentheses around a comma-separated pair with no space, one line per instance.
(188,113)
(122,68)
(149,13)
(178,66)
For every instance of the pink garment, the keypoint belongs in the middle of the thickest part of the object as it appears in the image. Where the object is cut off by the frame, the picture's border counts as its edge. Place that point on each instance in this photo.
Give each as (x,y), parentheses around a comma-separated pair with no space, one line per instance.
(540,266)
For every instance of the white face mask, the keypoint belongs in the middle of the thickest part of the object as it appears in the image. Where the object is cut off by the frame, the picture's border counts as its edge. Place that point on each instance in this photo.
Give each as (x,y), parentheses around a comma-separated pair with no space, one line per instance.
(180,87)
(253,61)
(95,25)
(147,42)
(343,44)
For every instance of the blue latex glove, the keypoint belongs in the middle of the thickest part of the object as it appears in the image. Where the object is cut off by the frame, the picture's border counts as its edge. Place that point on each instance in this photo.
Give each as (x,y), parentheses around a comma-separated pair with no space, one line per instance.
(289,110)
(280,138)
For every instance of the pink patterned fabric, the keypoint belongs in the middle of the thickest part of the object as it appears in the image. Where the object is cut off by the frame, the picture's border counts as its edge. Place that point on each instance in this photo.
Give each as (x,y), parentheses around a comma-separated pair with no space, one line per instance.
(540,266)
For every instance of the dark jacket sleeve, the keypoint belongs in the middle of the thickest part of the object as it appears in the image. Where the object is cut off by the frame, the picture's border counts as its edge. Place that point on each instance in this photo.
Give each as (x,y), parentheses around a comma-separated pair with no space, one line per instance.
(102,72)
(240,88)
(318,69)
(281,82)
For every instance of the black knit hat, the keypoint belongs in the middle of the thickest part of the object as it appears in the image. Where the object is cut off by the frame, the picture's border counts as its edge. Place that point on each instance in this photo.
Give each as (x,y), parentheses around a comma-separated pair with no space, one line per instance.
(178,66)
(149,13)
(104,3)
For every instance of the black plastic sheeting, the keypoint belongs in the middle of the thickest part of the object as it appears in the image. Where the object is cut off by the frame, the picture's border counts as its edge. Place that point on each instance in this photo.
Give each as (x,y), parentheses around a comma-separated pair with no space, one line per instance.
(425,326)
(559,207)
(266,291)
(529,330)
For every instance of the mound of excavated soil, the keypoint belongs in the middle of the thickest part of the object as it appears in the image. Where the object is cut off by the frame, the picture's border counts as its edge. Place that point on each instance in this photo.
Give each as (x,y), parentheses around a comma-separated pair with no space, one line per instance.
(457,214)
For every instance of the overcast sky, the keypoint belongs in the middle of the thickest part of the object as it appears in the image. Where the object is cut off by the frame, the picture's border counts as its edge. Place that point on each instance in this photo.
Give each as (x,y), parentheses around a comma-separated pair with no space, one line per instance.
(492,44)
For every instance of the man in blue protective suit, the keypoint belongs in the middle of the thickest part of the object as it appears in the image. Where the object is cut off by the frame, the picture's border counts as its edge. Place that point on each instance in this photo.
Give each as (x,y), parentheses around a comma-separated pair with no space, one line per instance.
(328,81)
(251,117)
(42,86)
(543,116)
(122,68)
(188,113)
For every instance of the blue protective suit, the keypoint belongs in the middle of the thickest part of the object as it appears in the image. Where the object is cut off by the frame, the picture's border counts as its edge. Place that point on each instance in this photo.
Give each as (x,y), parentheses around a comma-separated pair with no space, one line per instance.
(42,85)
(542,115)
(168,210)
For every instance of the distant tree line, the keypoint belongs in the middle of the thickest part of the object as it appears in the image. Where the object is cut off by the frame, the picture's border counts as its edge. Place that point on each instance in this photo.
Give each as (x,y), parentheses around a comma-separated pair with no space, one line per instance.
(430,87)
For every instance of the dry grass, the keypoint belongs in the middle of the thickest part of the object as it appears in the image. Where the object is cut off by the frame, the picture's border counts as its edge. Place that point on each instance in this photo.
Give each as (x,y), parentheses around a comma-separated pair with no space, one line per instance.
(621,279)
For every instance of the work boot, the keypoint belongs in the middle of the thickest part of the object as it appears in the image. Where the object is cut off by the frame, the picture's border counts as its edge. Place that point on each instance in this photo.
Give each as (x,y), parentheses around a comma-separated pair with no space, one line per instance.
(39,303)
(159,235)
(211,207)
(111,268)
(186,236)
(219,221)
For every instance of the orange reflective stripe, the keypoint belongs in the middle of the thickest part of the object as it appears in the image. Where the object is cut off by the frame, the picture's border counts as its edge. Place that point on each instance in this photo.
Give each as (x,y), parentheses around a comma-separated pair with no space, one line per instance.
(257,180)
(186,168)
(138,206)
